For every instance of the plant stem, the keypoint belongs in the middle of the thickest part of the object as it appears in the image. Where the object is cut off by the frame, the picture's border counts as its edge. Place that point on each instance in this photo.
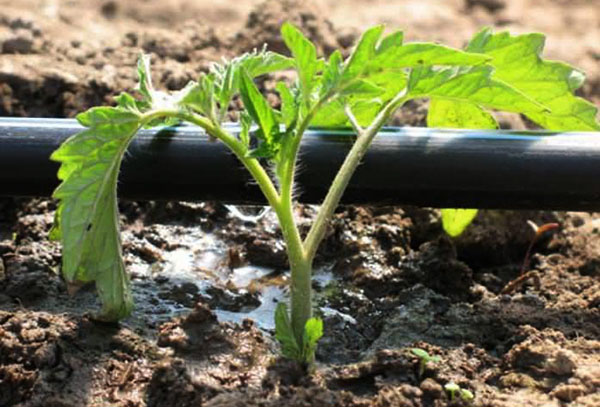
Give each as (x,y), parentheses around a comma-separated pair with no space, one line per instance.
(301,268)
(301,309)
(252,165)
(301,296)
(342,178)
(300,265)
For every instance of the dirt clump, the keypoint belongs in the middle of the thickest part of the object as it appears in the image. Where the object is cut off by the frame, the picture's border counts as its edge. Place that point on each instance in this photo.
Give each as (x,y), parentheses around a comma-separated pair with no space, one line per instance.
(264,24)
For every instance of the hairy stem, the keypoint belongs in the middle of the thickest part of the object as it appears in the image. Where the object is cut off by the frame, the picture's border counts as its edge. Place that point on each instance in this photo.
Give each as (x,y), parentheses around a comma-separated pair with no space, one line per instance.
(342,178)
(300,265)
(301,269)
(252,165)
(301,295)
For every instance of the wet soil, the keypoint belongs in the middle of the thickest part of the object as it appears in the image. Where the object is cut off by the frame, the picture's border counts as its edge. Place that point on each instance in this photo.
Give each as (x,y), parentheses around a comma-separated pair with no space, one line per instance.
(206,281)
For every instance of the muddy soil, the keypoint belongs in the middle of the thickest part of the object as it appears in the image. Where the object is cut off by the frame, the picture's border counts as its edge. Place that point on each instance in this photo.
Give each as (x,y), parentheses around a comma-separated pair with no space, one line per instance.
(206,281)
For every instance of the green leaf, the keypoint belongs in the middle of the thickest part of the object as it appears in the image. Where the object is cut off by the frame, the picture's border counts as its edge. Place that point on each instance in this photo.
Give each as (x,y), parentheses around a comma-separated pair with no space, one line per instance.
(444,113)
(393,82)
(455,221)
(390,41)
(363,53)
(245,123)
(261,112)
(466,395)
(333,115)
(474,85)
(332,73)
(126,101)
(264,62)
(305,57)
(151,98)
(227,76)
(284,333)
(417,54)
(227,86)
(145,86)
(289,111)
(517,61)
(465,115)
(452,387)
(86,218)
(199,96)
(313,331)
(420,353)
(362,88)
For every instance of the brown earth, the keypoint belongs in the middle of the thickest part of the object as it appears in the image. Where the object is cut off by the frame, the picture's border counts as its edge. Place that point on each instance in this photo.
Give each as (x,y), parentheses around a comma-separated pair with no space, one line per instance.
(388,279)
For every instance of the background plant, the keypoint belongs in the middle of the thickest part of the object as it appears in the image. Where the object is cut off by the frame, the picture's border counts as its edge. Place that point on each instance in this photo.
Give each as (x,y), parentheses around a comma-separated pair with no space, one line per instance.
(495,72)
(517,61)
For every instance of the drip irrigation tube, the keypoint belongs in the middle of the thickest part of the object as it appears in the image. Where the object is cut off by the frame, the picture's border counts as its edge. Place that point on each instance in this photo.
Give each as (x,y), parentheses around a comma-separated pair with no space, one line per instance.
(416,166)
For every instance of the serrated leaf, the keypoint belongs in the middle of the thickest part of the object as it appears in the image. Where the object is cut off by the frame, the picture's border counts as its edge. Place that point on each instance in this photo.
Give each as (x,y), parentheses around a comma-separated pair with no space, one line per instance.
(455,221)
(145,85)
(151,98)
(199,96)
(332,73)
(257,64)
(288,104)
(284,333)
(517,61)
(261,112)
(128,102)
(392,40)
(474,85)
(313,331)
(383,72)
(363,53)
(263,150)
(245,123)
(227,86)
(227,76)
(305,57)
(87,220)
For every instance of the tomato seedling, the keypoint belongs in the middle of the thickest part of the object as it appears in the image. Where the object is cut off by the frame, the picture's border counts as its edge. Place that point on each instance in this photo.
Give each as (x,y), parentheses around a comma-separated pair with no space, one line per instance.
(362,91)
(424,359)
(453,389)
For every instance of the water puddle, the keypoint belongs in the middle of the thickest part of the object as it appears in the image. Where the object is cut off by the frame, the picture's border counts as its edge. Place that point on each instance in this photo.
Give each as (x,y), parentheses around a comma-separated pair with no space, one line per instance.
(263,315)
(195,268)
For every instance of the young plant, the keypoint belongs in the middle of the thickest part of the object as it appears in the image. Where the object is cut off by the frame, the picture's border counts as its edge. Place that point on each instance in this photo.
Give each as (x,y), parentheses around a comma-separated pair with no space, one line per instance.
(495,72)
(467,395)
(424,358)
(454,389)
(517,61)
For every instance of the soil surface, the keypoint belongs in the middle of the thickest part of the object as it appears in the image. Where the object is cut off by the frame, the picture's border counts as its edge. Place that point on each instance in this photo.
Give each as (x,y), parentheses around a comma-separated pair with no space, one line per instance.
(206,280)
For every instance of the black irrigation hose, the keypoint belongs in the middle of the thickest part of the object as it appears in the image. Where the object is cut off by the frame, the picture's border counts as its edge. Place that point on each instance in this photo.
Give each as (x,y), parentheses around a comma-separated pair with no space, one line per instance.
(426,167)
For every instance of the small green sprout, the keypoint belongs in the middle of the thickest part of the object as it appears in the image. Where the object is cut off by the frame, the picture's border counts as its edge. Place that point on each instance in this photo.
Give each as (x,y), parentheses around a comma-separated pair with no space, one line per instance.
(452,388)
(466,395)
(424,358)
